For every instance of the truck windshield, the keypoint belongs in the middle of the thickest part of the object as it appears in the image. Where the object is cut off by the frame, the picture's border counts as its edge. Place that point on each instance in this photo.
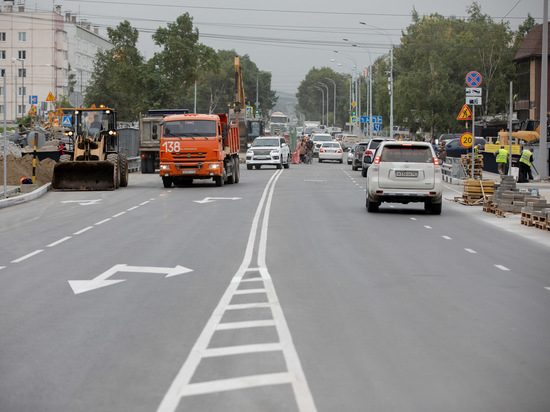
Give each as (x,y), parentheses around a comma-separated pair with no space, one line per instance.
(190,128)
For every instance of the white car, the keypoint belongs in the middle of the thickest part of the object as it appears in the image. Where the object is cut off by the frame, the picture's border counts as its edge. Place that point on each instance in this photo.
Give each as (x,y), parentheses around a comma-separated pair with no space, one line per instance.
(317,139)
(331,151)
(268,150)
(403,172)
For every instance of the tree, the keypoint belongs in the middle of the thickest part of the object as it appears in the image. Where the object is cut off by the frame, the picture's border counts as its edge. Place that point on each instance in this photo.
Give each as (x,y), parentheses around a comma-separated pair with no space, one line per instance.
(118,77)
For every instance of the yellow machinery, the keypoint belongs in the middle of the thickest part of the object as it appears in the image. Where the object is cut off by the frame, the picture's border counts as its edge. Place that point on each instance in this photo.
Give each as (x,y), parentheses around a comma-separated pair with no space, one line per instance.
(92,161)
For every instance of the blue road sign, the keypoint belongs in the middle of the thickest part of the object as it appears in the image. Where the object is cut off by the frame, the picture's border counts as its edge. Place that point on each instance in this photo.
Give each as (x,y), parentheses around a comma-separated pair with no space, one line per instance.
(33,99)
(67,121)
(473,79)
(377,127)
(364,119)
(377,119)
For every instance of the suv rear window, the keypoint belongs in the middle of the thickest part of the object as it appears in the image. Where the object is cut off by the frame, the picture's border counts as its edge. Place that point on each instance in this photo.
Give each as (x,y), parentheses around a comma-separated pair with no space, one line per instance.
(401,153)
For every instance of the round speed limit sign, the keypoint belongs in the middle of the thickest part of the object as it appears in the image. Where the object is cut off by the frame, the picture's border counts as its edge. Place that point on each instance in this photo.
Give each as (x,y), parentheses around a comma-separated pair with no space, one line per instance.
(466,140)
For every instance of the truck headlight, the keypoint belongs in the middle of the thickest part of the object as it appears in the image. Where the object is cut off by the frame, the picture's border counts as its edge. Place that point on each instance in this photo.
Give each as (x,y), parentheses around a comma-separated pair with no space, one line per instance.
(213,166)
(164,167)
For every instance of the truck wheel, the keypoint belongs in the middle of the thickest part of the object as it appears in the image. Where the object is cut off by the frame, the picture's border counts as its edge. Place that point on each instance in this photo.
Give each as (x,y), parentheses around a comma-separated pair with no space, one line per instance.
(123,169)
(230,179)
(218,180)
(237,170)
(113,158)
(167,182)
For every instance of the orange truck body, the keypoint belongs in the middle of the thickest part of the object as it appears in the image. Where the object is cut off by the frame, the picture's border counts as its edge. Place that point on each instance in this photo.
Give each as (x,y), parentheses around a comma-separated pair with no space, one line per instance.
(199,146)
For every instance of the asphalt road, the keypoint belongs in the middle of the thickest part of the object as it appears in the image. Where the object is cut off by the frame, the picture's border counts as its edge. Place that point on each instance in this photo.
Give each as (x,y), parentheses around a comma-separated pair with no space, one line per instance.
(280,293)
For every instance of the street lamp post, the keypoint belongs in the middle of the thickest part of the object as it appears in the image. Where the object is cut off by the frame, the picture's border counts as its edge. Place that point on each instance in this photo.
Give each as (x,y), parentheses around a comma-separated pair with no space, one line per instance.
(322,103)
(325,86)
(391,72)
(334,106)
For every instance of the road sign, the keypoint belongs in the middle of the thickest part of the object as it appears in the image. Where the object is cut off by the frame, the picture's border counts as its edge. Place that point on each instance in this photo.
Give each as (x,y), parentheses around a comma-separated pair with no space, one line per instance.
(50,98)
(377,127)
(465,113)
(377,119)
(466,140)
(473,79)
(364,119)
(67,121)
(353,104)
(33,99)
(473,101)
(33,109)
(59,112)
(353,119)
(473,92)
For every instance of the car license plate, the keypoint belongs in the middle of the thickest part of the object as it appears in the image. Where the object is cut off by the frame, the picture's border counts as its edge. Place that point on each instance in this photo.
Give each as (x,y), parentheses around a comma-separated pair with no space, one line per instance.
(188,172)
(406,173)
(261,157)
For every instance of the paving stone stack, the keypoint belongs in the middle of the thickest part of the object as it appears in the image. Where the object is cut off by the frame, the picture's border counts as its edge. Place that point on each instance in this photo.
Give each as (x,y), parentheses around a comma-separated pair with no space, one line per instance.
(508,198)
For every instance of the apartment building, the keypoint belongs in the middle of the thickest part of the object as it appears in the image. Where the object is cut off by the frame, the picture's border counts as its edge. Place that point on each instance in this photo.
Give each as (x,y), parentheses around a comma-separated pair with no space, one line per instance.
(40,51)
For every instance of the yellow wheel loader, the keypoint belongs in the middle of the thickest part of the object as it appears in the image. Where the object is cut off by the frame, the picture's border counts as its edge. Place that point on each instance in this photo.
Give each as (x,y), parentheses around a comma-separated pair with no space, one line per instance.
(92,161)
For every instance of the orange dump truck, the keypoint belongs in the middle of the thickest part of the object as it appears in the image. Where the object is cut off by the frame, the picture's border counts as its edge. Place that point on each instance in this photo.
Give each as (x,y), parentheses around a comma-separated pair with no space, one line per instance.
(199,146)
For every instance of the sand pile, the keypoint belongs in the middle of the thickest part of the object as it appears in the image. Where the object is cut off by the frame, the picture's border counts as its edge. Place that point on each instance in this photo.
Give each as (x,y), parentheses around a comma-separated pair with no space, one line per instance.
(18,167)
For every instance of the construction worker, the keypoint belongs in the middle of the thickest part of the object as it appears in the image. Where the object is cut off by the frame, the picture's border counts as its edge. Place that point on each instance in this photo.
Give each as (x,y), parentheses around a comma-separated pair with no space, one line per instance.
(502,160)
(525,166)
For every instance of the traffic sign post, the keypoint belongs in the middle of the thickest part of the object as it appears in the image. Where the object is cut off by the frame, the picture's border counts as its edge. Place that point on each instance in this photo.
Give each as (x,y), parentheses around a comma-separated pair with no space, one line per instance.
(473,79)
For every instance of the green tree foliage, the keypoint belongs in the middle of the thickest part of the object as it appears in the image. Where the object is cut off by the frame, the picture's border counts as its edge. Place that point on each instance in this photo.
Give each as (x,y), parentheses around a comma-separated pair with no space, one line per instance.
(310,98)
(118,78)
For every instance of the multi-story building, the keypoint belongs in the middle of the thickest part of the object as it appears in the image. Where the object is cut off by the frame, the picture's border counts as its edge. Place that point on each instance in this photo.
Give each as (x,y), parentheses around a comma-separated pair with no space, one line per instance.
(39,52)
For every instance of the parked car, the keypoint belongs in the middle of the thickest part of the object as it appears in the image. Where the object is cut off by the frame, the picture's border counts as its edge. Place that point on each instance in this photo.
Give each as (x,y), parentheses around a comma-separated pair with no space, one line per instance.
(268,150)
(331,151)
(317,139)
(369,154)
(404,172)
(358,155)
(445,137)
(453,148)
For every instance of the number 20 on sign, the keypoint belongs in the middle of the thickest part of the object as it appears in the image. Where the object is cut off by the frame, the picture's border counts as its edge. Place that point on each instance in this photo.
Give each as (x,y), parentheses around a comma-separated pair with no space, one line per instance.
(466,140)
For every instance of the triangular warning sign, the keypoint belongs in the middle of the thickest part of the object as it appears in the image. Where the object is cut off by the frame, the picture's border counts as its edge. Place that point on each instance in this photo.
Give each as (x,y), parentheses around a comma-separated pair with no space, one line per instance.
(59,112)
(50,98)
(33,109)
(93,106)
(465,113)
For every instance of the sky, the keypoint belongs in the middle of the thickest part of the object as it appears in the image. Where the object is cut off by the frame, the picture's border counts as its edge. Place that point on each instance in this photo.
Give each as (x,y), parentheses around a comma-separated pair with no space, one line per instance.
(288,37)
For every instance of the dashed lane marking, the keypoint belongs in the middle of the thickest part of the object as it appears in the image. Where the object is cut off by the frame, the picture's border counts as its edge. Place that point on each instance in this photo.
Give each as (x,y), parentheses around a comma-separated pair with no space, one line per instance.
(446,237)
(59,241)
(504,268)
(470,251)
(83,230)
(36,252)
(102,221)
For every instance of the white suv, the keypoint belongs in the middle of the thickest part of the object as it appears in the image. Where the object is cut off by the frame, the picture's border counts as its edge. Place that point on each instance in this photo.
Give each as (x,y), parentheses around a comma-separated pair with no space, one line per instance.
(403,172)
(268,150)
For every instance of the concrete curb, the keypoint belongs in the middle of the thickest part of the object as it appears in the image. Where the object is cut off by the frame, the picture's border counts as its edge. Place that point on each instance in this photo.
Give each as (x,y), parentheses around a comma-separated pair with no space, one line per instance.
(26,197)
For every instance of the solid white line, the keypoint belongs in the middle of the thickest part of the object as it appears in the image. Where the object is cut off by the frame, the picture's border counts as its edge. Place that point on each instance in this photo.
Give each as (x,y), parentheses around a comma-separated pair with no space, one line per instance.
(59,241)
(446,237)
(470,250)
(36,252)
(245,324)
(243,382)
(132,208)
(242,349)
(119,214)
(248,291)
(502,268)
(103,221)
(83,230)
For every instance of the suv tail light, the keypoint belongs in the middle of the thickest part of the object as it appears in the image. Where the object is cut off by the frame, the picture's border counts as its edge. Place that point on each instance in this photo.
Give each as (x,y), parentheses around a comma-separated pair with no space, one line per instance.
(436,161)
(369,153)
(377,160)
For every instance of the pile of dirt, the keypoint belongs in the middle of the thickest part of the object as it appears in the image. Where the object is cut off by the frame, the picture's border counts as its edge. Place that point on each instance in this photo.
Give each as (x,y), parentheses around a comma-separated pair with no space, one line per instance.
(18,167)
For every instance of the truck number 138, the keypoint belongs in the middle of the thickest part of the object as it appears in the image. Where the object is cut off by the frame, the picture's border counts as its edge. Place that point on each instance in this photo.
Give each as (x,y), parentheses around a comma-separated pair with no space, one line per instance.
(171,146)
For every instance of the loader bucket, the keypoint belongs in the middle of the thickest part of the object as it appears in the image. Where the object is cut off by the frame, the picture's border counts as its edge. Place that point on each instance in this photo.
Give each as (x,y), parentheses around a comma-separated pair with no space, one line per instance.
(84,175)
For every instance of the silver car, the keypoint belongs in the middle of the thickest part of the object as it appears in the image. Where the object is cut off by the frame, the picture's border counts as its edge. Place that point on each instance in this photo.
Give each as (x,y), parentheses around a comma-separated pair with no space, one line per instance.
(403,172)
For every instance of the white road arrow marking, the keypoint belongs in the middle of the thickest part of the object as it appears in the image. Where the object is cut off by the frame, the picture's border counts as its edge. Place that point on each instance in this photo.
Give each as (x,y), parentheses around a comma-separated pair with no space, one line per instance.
(81,286)
(83,202)
(213,199)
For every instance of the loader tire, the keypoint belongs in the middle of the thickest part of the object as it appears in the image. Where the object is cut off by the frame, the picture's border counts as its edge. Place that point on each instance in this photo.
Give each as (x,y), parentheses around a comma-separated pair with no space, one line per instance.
(113,158)
(123,169)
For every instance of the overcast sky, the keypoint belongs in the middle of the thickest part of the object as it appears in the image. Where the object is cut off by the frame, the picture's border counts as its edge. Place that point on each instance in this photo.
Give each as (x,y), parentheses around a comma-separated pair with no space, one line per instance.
(288,37)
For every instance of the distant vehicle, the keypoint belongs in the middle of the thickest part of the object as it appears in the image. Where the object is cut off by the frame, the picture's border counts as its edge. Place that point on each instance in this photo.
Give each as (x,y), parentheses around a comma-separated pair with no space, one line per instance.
(351,153)
(453,148)
(369,154)
(331,151)
(404,172)
(358,155)
(445,137)
(317,139)
(268,150)
(278,123)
